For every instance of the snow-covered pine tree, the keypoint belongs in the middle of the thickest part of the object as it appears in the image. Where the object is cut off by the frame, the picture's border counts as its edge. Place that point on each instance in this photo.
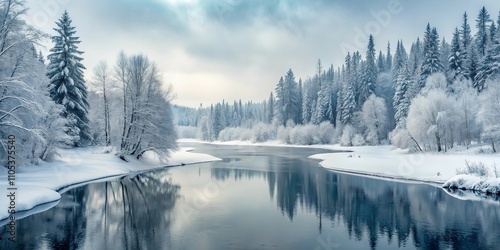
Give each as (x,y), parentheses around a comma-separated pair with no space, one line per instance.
(431,62)
(490,67)
(347,96)
(298,105)
(306,106)
(445,50)
(380,62)
(322,104)
(455,68)
(466,47)
(388,58)
(369,75)
(482,21)
(415,57)
(402,97)
(67,83)
(400,57)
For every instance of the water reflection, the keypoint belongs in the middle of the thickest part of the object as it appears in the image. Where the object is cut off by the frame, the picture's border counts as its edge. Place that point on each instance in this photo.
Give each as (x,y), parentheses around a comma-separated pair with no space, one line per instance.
(272,199)
(130,213)
(420,214)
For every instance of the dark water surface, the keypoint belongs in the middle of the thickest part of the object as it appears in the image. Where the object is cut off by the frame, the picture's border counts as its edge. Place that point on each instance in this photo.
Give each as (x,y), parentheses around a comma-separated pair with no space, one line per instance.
(259,198)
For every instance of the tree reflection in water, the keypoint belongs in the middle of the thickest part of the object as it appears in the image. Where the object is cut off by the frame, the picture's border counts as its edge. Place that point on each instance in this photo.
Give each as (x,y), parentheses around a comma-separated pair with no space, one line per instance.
(130,213)
(376,208)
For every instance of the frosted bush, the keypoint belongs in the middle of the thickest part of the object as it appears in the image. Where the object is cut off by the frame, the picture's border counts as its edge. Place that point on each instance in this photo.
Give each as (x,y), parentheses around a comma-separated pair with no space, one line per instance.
(473,168)
(302,135)
(283,134)
(325,133)
(358,140)
(262,132)
(347,136)
(400,138)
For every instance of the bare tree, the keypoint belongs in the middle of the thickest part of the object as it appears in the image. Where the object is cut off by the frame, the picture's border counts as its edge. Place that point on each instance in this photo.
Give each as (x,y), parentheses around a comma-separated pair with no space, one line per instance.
(101,80)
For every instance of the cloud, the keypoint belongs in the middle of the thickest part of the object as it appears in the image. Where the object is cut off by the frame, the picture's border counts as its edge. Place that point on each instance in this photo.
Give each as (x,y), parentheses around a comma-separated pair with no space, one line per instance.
(230,49)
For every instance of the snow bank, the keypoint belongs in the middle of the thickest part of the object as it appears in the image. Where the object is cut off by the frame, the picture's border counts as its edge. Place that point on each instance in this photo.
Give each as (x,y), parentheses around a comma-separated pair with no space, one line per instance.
(487,185)
(40,184)
(26,198)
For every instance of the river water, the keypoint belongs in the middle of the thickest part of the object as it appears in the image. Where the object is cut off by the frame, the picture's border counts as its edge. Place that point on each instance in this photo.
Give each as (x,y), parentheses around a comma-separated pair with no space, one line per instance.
(259,198)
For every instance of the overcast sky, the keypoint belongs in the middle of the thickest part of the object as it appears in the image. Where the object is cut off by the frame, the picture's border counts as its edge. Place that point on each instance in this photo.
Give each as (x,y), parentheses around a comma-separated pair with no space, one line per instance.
(211,50)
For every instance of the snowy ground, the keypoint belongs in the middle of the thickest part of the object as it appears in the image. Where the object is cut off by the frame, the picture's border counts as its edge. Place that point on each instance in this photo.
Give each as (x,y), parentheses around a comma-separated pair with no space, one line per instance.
(37,185)
(387,162)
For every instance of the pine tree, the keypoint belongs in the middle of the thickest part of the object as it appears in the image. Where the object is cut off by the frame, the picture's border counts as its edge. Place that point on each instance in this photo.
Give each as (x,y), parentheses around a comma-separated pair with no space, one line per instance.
(380,62)
(41,58)
(370,74)
(347,97)
(466,50)
(400,57)
(432,62)
(482,31)
(388,58)
(402,97)
(490,67)
(306,107)
(455,61)
(67,84)
(270,108)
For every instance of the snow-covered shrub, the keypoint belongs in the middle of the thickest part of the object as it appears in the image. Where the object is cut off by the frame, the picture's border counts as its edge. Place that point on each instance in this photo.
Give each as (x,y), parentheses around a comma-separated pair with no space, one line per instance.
(325,133)
(347,135)
(235,134)
(473,168)
(400,138)
(303,135)
(283,134)
(358,140)
(262,132)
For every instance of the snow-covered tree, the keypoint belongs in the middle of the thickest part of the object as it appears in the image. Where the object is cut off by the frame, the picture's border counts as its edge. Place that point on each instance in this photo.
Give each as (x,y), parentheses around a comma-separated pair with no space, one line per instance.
(102,80)
(287,101)
(431,62)
(67,83)
(490,67)
(26,111)
(482,21)
(374,118)
(149,112)
(431,119)
(370,73)
(489,115)
(455,68)
(466,48)
(402,97)
(388,58)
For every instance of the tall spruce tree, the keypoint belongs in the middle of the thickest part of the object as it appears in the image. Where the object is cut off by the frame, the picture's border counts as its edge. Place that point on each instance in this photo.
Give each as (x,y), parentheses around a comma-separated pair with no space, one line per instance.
(432,62)
(67,84)
(466,50)
(370,73)
(455,68)
(482,21)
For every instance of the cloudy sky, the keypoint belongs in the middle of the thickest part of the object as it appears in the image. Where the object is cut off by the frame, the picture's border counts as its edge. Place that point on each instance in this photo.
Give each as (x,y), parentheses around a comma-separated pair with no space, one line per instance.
(211,50)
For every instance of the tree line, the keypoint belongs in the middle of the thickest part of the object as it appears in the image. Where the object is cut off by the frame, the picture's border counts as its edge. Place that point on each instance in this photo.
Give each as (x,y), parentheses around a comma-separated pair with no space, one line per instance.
(438,95)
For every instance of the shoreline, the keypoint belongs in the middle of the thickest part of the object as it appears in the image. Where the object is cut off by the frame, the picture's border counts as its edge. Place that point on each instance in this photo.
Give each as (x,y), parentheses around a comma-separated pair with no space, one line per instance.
(38,186)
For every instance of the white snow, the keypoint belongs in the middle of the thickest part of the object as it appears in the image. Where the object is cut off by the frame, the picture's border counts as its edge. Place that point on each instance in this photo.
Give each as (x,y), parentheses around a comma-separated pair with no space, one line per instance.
(39,184)
(387,162)
(487,185)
